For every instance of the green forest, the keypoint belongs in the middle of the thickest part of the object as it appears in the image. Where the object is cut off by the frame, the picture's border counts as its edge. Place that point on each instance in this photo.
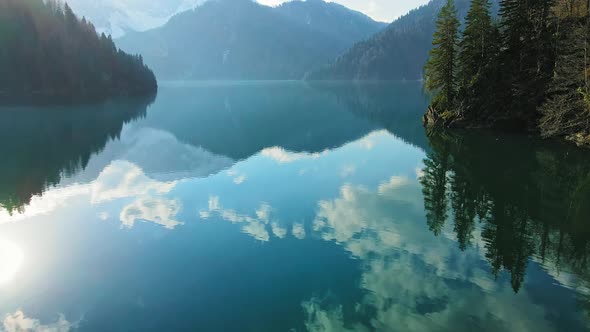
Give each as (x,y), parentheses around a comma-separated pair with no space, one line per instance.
(528,70)
(49,53)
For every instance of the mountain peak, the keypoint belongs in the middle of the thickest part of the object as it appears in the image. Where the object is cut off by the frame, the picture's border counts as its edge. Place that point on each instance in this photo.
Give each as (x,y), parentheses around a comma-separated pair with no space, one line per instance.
(242,39)
(117,17)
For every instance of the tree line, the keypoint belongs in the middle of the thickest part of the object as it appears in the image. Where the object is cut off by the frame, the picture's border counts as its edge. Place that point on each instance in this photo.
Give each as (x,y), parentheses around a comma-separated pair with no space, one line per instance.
(46,51)
(527,70)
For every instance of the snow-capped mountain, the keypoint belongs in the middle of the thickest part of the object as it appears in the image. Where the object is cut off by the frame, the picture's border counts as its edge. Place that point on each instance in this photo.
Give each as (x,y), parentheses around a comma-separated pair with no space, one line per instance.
(118,17)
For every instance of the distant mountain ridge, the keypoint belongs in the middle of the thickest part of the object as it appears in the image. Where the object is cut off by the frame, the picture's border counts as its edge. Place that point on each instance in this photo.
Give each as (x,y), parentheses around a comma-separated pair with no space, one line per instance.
(332,19)
(399,52)
(241,39)
(117,17)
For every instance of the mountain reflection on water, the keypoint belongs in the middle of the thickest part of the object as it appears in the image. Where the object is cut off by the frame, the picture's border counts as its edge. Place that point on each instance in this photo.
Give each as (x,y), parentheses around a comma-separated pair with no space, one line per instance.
(273,206)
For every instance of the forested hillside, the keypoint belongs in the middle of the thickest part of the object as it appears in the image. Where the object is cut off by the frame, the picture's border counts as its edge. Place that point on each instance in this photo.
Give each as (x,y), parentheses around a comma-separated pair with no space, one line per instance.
(398,52)
(241,39)
(47,52)
(530,71)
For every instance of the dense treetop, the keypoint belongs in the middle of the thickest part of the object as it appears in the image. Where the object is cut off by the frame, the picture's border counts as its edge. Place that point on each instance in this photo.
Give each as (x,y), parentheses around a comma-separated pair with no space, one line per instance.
(529,71)
(398,52)
(46,51)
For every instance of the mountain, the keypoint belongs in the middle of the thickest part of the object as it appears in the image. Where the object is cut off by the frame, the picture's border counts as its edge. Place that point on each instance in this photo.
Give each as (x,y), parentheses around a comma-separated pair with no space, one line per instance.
(117,17)
(398,52)
(331,19)
(241,39)
(48,53)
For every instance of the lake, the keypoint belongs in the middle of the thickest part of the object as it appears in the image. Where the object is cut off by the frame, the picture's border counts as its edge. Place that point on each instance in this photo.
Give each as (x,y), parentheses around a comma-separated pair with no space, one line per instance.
(286,206)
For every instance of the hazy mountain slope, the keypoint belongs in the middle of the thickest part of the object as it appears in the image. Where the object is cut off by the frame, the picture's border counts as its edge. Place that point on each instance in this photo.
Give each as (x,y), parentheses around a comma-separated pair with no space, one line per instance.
(398,52)
(240,39)
(332,19)
(117,17)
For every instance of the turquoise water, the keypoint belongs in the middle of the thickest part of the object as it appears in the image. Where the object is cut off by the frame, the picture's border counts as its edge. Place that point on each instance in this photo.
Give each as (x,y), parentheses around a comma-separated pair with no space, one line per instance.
(236,206)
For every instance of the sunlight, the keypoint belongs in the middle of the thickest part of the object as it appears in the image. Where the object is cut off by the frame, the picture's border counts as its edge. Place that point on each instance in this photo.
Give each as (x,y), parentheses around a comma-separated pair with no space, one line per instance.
(11,260)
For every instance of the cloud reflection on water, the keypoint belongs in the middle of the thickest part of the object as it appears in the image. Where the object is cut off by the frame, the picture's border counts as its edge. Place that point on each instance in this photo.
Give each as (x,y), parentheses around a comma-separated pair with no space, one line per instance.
(19,322)
(413,280)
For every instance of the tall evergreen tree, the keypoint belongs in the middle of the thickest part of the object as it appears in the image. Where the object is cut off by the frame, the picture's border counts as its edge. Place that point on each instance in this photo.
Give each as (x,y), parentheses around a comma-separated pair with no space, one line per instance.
(567,109)
(527,55)
(478,49)
(440,71)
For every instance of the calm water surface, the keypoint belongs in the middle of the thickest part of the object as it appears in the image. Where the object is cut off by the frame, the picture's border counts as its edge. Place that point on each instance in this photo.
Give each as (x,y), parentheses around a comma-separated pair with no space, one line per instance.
(285,207)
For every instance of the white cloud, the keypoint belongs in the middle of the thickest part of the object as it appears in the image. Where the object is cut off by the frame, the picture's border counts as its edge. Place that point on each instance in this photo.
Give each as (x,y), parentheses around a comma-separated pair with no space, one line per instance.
(254,226)
(43,204)
(19,322)
(319,319)
(394,183)
(283,156)
(259,225)
(240,179)
(257,230)
(278,231)
(123,179)
(298,231)
(160,211)
(119,180)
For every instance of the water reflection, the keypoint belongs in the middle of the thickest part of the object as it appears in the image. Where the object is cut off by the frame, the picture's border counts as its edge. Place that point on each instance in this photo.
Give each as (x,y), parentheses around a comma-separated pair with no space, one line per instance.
(290,206)
(205,134)
(395,106)
(525,199)
(44,145)
(420,282)
(238,121)
(119,180)
(18,322)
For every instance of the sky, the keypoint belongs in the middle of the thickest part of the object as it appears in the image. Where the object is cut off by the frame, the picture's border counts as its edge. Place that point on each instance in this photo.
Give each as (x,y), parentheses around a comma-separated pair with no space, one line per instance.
(380,10)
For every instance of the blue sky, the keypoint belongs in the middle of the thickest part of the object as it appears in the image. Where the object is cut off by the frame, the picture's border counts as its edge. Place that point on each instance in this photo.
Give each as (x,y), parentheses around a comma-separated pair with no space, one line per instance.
(381,10)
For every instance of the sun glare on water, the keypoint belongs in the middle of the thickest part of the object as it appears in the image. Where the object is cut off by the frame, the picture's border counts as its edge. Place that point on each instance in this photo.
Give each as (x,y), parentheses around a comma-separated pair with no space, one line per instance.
(11,260)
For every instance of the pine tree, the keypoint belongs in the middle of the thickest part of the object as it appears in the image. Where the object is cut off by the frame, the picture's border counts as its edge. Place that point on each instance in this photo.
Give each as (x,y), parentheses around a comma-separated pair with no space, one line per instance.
(477,48)
(440,71)
(567,109)
(527,56)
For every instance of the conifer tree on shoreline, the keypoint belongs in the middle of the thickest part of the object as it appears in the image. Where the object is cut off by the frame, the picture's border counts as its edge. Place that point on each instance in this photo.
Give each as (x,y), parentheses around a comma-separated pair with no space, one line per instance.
(440,71)
(477,53)
(530,73)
